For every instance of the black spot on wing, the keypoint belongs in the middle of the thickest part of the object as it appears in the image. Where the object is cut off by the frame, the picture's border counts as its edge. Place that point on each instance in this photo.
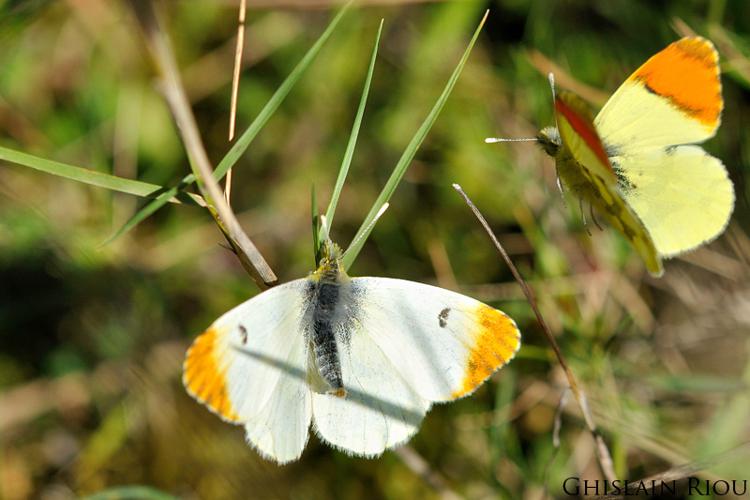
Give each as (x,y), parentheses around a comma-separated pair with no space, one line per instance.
(443,317)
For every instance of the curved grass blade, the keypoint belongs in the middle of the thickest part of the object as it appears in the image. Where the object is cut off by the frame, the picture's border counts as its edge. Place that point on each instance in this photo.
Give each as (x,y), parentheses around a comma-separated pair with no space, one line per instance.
(99,179)
(149,209)
(247,137)
(349,154)
(403,163)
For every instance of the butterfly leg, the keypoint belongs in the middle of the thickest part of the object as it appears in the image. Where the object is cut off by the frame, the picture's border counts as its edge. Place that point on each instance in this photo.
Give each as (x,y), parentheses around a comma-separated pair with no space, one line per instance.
(583,216)
(560,186)
(593,217)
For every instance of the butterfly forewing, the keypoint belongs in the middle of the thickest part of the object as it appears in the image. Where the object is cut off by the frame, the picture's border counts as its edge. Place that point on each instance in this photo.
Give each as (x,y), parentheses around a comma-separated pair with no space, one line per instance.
(673,98)
(443,343)
(250,368)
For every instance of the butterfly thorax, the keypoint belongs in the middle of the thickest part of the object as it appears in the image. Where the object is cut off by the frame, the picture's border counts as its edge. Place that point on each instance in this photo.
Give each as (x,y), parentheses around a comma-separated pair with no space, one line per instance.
(331,268)
(328,289)
(569,171)
(549,139)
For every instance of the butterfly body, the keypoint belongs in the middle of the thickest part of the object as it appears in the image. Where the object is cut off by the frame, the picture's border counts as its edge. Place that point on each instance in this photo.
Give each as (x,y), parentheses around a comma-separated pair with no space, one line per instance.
(360,359)
(573,175)
(332,310)
(636,162)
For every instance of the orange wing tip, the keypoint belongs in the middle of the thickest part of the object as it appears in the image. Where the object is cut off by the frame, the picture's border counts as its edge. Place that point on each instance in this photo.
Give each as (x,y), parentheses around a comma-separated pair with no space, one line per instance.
(496,341)
(205,379)
(686,73)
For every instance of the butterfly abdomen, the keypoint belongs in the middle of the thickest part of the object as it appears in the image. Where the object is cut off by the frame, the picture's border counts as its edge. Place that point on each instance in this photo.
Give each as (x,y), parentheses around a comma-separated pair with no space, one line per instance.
(326,299)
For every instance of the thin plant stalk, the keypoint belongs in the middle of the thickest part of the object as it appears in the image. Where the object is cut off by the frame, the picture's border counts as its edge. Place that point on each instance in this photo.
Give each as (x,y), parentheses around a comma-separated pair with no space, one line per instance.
(244,140)
(159,45)
(603,454)
(235,91)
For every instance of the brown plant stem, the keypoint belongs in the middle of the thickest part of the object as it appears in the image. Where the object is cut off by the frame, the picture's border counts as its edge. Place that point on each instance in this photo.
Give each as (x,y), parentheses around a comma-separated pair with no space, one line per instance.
(605,458)
(174,92)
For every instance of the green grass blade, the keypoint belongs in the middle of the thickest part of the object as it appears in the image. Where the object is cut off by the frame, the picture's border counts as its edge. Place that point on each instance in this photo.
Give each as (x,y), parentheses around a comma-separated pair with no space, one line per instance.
(398,172)
(249,134)
(315,225)
(276,99)
(130,493)
(146,212)
(99,179)
(349,154)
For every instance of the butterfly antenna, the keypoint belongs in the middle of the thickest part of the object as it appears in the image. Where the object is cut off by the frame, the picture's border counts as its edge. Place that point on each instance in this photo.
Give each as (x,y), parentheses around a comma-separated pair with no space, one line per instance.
(493,140)
(551,79)
(369,227)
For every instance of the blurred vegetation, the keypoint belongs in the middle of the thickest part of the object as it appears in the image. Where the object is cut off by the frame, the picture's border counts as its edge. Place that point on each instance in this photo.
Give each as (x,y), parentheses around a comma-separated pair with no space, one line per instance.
(92,336)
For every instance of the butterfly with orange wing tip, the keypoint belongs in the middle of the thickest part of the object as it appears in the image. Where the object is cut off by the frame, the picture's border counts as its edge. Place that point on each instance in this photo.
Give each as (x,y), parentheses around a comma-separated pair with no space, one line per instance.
(637,162)
(362,359)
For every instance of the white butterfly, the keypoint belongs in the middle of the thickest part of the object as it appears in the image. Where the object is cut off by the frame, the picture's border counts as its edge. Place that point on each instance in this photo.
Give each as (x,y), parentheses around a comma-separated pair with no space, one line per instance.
(363,359)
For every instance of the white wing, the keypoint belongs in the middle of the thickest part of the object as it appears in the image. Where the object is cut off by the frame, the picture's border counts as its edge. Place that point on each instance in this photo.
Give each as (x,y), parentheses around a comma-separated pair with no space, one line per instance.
(443,343)
(411,344)
(380,409)
(682,195)
(250,367)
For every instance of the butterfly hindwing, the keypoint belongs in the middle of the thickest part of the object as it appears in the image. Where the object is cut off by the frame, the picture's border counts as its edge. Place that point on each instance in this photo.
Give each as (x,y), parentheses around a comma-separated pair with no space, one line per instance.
(682,194)
(380,410)
(584,166)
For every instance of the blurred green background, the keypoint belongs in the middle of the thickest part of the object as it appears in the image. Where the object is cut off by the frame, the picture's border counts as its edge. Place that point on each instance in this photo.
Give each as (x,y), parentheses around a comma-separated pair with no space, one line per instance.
(92,337)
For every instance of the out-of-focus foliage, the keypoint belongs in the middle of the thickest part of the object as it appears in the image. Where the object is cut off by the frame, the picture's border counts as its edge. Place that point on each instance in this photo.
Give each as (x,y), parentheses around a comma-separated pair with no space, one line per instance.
(92,337)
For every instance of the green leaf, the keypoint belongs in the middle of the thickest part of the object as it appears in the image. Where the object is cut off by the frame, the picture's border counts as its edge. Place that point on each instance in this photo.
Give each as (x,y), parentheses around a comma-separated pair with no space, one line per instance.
(408,155)
(349,154)
(99,179)
(242,143)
